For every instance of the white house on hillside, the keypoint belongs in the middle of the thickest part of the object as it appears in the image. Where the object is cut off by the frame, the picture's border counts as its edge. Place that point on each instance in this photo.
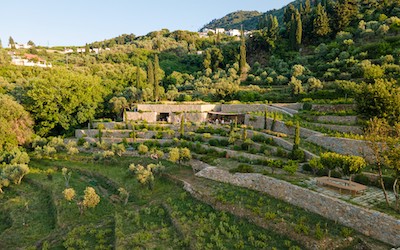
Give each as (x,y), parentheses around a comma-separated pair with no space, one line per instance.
(234,32)
(20,46)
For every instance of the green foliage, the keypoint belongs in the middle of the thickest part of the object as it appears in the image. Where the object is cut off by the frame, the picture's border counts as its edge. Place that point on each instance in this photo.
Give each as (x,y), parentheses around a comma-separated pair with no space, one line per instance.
(62,98)
(348,164)
(291,167)
(143,149)
(242,168)
(380,99)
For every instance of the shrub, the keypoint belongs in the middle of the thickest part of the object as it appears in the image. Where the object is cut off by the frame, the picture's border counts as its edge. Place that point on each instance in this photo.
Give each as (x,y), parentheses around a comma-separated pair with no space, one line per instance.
(143,149)
(81,141)
(291,167)
(242,168)
(297,155)
(118,149)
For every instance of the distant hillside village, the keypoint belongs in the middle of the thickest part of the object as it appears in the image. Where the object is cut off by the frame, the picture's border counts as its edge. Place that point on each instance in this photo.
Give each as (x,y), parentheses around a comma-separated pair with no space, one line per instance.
(232,32)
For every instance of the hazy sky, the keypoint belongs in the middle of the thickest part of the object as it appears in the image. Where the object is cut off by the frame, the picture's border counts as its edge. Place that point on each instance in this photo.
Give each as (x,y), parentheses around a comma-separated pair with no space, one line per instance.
(73,22)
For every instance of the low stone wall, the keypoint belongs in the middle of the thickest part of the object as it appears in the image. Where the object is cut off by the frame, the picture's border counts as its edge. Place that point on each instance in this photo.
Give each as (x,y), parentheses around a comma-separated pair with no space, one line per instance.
(294,106)
(242,108)
(108,125)
(350,119)
(342,145)
(341,128)
(79,133)
(283,143)
(257,122)
(369,222)
(332,108)
(150,117)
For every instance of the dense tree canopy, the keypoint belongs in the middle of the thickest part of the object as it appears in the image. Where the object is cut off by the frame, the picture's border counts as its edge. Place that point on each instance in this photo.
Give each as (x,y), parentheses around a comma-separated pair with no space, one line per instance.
(60,99)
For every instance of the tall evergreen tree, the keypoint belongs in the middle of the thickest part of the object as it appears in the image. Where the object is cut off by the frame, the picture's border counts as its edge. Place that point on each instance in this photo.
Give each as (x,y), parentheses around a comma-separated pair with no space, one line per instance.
(150,73)
(242,61)
(287,17)
(307,8)
(297,137)
(11,43)
(292,32)
(156,78)
(299,30)
(87,49)
(273,27)
(321,22)
(345,12)
(207,60)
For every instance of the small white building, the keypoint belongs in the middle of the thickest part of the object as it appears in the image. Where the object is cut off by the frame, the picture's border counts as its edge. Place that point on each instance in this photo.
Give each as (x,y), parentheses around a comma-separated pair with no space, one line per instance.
(219,31)
(20,46)
(67,51)
(233,32)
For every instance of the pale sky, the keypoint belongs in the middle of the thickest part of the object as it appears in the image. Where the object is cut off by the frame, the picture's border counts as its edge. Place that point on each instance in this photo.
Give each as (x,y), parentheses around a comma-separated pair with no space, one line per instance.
(73,22)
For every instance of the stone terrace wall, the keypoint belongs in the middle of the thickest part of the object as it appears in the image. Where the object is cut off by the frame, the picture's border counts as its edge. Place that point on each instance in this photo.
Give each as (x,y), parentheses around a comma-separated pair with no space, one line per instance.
(294,106)
(342,145)
(332,108)
(145,116)
(337,119)
(242,108)
(245,108)
(279,126)
(170,108)
(341,128)
(371,223)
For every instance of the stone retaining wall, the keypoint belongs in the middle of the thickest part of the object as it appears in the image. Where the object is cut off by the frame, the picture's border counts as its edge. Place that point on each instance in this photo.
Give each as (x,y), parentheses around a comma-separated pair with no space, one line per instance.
(257,122)
(341,128)
(369,222)
(333,108)
(242,108)
(342,145)
(283,143)
(350,119)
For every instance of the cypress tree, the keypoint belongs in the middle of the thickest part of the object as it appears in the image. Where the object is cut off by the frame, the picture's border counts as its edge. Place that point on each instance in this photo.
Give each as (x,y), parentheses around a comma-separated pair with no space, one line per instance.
(11,42)
(265,118)
(273,28)
(182,128)
(207,60)
(150,73)
(297,137)
(299,30)
(345,12)
(292,33)
(244,134)
(307,6)
(156,78)
(321,22)
(87,49)
(242,61)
